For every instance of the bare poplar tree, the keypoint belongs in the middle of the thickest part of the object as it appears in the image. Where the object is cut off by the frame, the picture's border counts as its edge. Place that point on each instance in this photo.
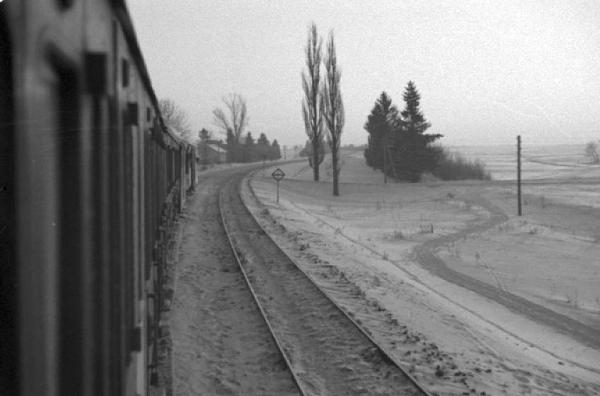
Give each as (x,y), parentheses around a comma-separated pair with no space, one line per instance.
(235,118)
(333,109)
(311,105)
(175,118)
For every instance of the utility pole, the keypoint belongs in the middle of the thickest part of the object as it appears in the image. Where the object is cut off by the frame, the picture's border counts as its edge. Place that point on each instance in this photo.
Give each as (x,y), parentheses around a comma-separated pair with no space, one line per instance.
(383,144)
(520,212)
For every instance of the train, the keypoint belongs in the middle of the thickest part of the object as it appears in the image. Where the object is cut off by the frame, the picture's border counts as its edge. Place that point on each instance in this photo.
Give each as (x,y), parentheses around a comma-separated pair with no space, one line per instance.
(91,182)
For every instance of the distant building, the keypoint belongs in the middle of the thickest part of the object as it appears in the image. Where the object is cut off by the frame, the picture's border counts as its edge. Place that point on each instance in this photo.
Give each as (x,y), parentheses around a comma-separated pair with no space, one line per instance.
(212,152)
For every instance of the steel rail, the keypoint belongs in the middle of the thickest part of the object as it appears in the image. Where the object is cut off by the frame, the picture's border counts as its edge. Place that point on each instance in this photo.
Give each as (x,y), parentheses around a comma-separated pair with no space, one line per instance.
(255,297)
(311,279)
(393,361)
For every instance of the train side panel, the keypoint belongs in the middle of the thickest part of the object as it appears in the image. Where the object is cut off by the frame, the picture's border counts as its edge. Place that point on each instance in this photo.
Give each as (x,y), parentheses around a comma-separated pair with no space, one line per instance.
(47,75)
(98,180)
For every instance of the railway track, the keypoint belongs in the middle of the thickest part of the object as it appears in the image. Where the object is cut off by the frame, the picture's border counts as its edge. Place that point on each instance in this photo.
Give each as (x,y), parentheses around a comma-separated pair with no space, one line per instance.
(221,343)
(325,350)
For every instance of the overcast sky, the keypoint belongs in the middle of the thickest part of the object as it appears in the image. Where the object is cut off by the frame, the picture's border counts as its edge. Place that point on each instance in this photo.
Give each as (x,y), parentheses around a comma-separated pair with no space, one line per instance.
(486,70)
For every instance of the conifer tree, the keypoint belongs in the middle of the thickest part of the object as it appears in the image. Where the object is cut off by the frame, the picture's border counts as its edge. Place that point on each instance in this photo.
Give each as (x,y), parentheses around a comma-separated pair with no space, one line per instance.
(262,140)
(275,151)
(412,153)
(413,119)
(263,148)
(248,149)
(379,124)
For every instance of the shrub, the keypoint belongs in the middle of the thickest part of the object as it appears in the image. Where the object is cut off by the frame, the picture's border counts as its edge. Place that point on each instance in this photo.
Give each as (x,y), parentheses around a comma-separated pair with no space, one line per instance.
(453,166)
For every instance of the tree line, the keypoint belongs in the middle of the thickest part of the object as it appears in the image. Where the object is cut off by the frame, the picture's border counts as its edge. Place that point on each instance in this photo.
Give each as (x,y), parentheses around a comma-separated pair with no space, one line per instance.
(233,122)
(250,150)
(398,145)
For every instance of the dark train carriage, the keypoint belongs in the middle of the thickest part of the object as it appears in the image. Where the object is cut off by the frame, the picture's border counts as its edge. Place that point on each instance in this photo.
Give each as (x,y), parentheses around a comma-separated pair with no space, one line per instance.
(90,178)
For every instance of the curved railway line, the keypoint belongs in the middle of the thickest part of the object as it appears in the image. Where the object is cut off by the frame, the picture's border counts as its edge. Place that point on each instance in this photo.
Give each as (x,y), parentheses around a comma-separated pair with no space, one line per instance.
(326,351)
(221,343)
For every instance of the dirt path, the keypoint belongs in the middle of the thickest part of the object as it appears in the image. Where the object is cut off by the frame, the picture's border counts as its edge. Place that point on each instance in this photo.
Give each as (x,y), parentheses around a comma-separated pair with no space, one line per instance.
(221,345)
(425,255)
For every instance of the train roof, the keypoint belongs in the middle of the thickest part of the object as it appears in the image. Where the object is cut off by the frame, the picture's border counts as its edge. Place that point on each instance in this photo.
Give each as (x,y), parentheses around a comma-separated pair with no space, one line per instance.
(122,14)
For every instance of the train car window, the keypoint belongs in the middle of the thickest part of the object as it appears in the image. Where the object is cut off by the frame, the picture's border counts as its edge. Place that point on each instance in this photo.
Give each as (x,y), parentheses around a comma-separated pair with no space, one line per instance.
(96,77)
(125,73)
(96,72)
(132,113)
(148,114)
(8,270)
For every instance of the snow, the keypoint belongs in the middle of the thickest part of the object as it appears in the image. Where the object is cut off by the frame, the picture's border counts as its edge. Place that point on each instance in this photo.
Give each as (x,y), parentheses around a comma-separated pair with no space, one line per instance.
(221,344)
(538,162)
(385,252)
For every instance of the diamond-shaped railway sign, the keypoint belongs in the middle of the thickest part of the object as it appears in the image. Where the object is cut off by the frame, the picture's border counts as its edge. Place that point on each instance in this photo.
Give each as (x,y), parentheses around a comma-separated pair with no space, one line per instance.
(278,174)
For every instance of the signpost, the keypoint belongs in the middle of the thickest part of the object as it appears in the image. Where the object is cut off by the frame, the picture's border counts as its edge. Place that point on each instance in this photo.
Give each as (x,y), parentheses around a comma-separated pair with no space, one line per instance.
(278,174)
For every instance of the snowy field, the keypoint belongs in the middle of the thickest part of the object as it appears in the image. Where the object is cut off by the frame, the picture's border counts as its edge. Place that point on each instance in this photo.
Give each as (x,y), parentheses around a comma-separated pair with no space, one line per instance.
(511,304)
(539,162)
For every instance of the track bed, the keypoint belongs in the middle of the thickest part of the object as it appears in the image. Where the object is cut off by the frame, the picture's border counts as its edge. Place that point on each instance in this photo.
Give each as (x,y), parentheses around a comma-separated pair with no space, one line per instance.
(222,345)
(327,352)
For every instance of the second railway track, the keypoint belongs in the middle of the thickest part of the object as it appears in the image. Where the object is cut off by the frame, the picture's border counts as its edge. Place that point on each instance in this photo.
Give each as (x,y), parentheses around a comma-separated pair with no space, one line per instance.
(327,352)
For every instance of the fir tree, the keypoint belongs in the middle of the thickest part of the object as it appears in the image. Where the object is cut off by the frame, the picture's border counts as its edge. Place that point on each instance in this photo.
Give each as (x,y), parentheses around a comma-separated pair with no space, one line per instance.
(413,154)
(379,126)
(248,149)
(262,140)
(263,148)
(275,152)
(413,119)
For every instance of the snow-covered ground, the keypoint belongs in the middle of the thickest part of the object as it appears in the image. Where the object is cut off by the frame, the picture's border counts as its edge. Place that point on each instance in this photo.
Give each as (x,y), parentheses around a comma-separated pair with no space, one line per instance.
(555,161)
(468,295)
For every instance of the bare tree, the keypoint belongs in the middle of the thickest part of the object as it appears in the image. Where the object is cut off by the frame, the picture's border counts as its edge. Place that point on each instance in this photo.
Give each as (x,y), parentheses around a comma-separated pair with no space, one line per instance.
(234,118)
(312,109)
(333,109)
(175,118)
